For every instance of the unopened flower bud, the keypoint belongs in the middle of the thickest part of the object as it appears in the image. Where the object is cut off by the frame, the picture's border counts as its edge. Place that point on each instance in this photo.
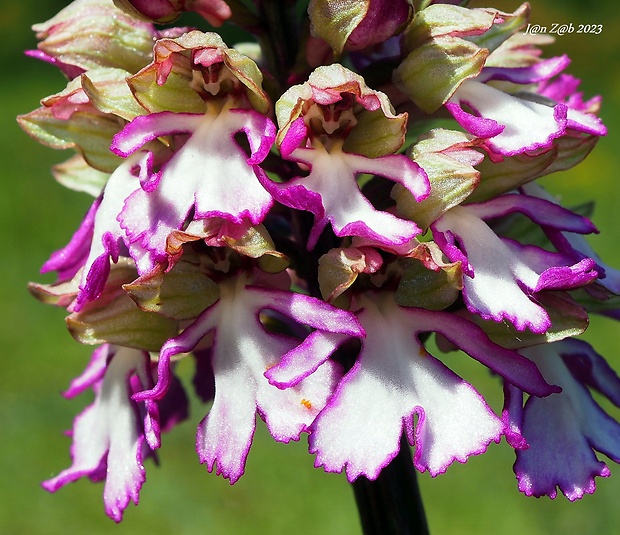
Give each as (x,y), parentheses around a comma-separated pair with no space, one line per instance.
(162,11)
(354,25)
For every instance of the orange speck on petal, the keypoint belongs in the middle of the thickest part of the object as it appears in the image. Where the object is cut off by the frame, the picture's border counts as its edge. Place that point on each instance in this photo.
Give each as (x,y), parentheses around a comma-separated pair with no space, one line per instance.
(306,403)
(423,352)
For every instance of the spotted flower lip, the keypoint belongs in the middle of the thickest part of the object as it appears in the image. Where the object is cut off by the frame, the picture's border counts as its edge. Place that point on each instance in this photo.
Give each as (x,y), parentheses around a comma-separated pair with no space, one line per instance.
(239,362)
(571,418)
(498,284)
(210,174)
(393,380)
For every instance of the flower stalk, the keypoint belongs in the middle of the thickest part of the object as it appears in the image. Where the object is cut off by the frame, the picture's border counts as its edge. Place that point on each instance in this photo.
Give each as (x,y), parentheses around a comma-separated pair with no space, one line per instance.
(392,504)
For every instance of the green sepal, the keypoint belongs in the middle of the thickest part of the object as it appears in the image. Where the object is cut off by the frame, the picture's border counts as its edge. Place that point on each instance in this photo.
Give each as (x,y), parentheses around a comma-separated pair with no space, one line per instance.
(601,302)
(452,179)
(108,92)
(88,133)
(114,318)
(335,21)
(121,322)
(180,294)
(421,287)
(441,20)
(501,31)
(77,175)
(176,95)
(376,134)
(432,72)
(568,319)
(510,173)
(58,294)
(95,33)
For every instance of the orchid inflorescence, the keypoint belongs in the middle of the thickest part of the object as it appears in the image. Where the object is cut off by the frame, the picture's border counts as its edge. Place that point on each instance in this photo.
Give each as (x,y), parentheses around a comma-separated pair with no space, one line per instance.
(298,215)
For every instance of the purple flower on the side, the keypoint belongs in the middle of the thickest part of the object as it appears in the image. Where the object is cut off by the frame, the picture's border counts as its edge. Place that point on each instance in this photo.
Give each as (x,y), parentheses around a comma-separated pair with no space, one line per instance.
(501,275)
(563,430)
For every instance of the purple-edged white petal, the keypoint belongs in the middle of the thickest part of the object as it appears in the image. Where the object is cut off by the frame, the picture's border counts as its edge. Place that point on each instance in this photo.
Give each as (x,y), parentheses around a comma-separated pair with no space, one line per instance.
(108,439)
(242,350)
(513,125)
(393,381)
(107,232)
(71,258)
(331,193)
(497,280)
(92,374)
(562,430)
(210,173)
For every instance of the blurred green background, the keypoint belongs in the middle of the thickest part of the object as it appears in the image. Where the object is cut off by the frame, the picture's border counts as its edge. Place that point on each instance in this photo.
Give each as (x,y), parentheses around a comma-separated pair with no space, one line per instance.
(281,492)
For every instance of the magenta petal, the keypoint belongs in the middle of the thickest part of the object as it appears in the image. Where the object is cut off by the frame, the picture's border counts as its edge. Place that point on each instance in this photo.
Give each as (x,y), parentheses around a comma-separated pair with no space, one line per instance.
(304,359)
(526,125)
(539,210)
(145,128)
(295,134)
(474,124)
(538,72)
(92,374)
(69,260)
(70,71)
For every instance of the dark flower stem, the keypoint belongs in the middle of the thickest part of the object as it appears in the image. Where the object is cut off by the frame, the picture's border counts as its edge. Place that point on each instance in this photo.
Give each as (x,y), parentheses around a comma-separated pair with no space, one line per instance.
(391,504)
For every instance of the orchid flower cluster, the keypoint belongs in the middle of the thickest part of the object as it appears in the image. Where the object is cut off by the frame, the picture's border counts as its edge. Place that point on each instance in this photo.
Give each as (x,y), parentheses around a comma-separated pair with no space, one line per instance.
(297,215)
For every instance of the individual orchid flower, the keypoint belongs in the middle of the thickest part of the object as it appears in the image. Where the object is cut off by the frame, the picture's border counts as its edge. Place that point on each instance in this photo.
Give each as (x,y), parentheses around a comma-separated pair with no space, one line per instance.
(515,124)
(572,419)
(501,274)
(113,436)
(512,122)
(339,128)
(241,351)
(100,238)
(100,98)
(395,379)
(208,174)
